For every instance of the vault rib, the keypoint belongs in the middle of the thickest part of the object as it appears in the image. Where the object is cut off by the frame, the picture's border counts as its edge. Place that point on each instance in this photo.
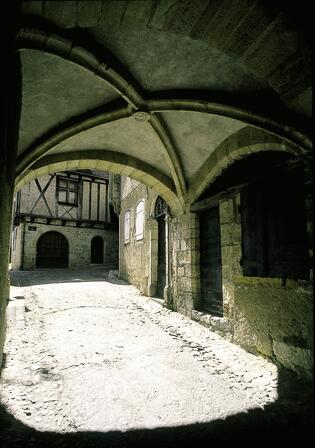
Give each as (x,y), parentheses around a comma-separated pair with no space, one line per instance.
(171,153)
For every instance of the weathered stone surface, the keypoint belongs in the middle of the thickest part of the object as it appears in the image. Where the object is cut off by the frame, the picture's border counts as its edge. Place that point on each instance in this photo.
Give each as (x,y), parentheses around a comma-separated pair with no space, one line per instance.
(299,358)
(138,258)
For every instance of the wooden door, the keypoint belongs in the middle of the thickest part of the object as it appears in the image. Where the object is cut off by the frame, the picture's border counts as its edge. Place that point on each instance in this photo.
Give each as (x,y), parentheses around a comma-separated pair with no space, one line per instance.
(97,250)
(210,262)
(52,251)
(161,278)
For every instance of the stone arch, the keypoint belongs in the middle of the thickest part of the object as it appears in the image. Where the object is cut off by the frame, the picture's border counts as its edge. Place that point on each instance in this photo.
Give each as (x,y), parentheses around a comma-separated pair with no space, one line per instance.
(52,250)
(231,150)
(160,207)
(117,163)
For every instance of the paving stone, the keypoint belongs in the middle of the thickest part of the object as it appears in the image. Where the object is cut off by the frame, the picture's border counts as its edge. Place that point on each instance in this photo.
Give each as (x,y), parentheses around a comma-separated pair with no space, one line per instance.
(193,376)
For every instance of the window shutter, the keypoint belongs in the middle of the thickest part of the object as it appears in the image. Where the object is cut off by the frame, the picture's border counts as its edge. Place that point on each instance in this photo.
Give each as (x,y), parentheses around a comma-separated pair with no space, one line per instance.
(253,225)
(288,254)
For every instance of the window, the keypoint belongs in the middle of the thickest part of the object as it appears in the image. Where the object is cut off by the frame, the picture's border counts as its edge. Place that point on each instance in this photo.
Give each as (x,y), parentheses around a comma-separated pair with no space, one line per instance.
(139,220)
(274,237)
(67,191)
(127,227)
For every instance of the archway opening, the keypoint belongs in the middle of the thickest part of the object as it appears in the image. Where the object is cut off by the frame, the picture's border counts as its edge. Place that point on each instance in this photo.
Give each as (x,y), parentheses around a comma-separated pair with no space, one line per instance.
(160,211)
(52,251)
(97,250)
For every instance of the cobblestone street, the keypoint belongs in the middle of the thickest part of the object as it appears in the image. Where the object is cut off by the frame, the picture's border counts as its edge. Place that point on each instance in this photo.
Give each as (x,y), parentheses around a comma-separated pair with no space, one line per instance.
(93,356)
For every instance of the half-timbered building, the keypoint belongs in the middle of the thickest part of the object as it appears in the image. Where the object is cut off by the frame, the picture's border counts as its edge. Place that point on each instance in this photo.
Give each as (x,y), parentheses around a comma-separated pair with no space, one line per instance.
(65,219)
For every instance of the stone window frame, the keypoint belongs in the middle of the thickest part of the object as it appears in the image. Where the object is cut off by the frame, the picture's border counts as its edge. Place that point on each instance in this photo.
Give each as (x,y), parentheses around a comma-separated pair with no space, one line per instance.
(139,235)
(127,220)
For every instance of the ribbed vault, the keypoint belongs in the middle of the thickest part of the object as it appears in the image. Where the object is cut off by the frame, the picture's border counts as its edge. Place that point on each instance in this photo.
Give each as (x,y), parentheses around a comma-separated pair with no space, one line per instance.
(164,91)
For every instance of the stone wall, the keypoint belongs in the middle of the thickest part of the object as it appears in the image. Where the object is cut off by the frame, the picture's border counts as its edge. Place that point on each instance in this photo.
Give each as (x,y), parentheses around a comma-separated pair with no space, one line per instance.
(135,255)
(263,315)
(79,240)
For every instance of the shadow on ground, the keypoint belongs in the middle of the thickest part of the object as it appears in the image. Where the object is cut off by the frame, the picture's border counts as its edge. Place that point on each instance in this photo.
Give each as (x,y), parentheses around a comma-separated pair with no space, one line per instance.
(290,418)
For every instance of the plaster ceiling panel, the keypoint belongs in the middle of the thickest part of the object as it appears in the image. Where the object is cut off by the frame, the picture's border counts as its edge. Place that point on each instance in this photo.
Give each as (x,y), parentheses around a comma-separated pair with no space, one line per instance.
(197,135)
(163,61)
(53,91)
(126,136)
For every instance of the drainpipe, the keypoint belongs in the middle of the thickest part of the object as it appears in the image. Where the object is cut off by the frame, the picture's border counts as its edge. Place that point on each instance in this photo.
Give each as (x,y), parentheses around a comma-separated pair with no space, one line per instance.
(23,245)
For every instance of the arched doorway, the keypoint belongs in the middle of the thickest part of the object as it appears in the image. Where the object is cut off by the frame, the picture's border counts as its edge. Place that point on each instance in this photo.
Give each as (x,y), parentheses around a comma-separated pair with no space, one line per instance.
(97,250)
(52,251)
(160,211)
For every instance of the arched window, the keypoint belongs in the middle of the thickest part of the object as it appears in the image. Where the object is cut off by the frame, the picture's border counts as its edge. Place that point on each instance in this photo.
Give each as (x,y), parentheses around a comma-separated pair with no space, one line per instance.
(127,227)
(160,208)
(139,220)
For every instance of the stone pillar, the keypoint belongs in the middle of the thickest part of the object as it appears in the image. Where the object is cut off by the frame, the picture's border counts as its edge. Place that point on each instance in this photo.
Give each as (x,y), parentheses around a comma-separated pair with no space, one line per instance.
(185,282)
(231,248)
(10,105)
(153,254)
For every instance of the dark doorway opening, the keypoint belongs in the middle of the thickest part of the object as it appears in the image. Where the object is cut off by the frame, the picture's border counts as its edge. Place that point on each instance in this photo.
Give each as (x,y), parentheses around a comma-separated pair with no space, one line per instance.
(160,212)
(52,251)
(161,274)
(210,262)
(97,250)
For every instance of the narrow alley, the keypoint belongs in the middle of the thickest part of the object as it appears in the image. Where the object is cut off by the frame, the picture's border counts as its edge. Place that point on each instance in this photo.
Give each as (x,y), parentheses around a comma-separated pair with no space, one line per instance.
(86,353)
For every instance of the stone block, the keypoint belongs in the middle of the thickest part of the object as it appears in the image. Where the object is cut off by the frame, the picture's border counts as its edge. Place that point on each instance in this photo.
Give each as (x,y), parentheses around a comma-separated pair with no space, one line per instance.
(226,235)
(89,13)
(183,257)
(264,346)
(236,234)
(293,357)
(226,211)
(183,245)
(182,310)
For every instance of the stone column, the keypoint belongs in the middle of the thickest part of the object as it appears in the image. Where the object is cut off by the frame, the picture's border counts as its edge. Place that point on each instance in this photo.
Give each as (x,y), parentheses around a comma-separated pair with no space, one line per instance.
(153,253)
(185,263)
(10,105)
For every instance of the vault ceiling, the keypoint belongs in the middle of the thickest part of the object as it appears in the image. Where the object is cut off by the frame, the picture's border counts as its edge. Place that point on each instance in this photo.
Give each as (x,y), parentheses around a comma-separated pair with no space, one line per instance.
(164,83)
(54,90)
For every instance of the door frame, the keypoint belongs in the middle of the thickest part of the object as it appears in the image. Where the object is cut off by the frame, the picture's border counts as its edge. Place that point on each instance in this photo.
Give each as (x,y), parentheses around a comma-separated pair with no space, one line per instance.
(153,249)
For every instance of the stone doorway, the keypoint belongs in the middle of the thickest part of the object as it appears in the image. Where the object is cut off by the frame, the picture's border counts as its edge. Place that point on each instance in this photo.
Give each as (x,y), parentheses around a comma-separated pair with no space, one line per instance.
(52,251)
(161,268)
(97,250)
(160,212)
(210,262)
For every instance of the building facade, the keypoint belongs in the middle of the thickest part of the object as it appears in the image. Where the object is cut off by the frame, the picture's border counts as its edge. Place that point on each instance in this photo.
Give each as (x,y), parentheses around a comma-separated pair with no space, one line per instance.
(65,219)
(239,262)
